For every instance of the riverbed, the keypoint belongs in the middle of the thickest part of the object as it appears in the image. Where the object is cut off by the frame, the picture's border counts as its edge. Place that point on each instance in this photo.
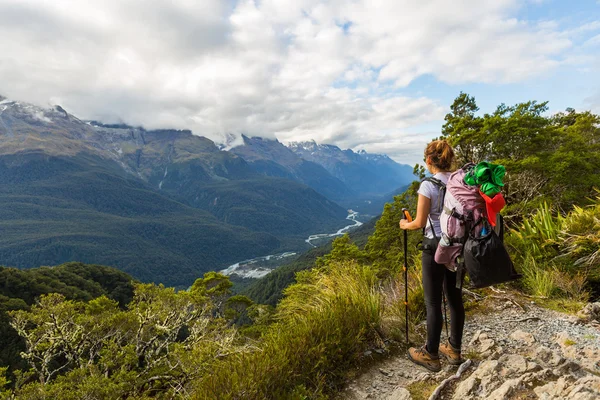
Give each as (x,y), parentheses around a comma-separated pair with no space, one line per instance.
(261,266)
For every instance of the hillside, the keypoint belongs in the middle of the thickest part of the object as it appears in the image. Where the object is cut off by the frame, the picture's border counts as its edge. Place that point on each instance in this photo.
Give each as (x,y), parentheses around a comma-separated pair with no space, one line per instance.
(515,350)
(82,208)
(163,205)
(334,321)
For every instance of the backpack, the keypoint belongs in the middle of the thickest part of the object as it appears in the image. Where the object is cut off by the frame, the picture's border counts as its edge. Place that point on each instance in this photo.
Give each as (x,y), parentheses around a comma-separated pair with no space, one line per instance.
(427,243)
(468,243)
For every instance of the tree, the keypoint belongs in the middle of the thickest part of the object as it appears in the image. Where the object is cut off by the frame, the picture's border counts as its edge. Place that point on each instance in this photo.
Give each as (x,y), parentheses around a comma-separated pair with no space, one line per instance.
(463,129)
(161,342)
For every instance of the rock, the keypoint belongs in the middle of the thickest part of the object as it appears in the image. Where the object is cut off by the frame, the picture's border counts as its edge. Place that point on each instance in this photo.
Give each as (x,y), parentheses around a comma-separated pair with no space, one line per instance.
(480,381)
(551,390)
(400,393)
(485,346)
(504,391)
(486,368)
(586,388)
(591,312)
(568,367)
(522,336)
(548,357)
(533,367)
(475,338)
(466,388)
(513,364)
(564,339)
(482,343)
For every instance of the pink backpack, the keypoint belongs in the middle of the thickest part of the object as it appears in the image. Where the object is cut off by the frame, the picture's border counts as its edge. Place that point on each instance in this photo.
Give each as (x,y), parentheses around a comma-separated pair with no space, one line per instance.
(464,245)
(463,208)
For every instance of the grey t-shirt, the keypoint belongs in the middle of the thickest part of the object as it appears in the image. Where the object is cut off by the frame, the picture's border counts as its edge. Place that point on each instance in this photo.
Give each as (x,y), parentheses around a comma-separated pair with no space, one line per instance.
(432,192)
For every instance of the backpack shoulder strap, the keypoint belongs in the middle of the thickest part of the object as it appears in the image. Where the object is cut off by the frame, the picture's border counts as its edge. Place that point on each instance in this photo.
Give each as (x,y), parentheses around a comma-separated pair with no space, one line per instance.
(442,188)
(435,181)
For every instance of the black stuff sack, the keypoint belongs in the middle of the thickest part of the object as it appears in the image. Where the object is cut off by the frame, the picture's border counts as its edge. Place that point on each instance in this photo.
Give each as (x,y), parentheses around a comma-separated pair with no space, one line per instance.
(487,262)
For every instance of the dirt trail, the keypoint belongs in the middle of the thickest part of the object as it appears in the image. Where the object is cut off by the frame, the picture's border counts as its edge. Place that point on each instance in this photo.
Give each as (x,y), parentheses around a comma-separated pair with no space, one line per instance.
(517,351)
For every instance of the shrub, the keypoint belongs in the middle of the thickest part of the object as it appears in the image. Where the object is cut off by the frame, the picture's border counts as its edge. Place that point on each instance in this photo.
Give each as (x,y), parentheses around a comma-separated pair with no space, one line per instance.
(322,327)
(557,254)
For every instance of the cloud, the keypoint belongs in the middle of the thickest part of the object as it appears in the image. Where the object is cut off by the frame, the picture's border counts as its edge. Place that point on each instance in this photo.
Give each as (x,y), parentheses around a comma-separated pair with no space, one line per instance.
(296,69)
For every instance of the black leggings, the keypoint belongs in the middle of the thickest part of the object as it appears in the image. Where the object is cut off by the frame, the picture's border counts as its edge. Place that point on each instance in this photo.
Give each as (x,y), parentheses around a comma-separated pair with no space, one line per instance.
(436,276)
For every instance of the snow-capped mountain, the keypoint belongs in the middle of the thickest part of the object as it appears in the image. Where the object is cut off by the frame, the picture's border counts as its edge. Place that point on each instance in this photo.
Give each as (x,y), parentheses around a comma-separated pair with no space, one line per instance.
(163,205)
(272,158)
(362,172)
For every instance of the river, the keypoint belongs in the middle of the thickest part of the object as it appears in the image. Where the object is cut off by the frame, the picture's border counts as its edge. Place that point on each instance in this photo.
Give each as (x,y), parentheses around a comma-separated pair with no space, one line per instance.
(352,216)
(261,266)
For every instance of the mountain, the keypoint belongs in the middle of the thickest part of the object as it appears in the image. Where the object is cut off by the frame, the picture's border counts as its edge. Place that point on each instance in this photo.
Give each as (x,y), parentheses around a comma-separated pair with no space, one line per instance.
(364,173)
(272,158)
(55,209)
(164,206)
(196,171)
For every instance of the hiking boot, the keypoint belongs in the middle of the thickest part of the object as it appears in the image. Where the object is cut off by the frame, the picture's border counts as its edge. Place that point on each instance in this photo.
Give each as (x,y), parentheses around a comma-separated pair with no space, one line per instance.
(451,354)
(422,357)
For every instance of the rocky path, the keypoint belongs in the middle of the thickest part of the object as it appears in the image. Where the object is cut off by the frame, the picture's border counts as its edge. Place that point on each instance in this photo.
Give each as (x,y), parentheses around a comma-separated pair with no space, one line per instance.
(516,349)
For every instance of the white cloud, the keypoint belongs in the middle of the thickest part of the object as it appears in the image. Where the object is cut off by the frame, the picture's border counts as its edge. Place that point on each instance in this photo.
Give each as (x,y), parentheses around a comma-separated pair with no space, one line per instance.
(297,69)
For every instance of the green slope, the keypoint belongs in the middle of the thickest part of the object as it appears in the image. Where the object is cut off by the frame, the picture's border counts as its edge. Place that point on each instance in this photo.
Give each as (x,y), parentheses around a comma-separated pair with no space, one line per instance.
(274,205)
(59,209)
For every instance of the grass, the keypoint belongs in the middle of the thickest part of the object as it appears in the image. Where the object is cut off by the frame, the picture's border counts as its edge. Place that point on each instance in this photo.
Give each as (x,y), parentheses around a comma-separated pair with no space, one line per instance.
(558,255)
(568,306)
(476,307)
(323,326)
(472,355)
(394,310)
(539,281)
(421,390)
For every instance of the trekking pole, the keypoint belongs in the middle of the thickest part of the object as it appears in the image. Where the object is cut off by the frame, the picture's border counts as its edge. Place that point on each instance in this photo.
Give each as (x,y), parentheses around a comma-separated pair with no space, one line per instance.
(406,216)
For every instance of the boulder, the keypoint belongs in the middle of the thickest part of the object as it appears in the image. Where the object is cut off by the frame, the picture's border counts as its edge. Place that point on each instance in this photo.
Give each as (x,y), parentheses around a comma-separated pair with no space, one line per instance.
(591,312)
(524,337)
(400,393)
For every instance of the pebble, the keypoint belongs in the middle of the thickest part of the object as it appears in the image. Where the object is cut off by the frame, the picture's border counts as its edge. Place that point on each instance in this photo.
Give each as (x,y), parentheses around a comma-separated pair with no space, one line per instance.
(546,356)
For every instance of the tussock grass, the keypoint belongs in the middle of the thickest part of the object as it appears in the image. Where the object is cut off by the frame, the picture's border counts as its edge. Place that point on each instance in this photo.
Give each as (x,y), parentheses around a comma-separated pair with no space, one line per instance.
(559,255)
(323,325)
(394,313)
(539,281)
(421,390)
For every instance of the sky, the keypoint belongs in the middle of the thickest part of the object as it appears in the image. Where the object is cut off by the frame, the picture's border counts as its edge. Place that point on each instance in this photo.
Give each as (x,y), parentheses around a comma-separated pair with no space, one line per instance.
(368,75)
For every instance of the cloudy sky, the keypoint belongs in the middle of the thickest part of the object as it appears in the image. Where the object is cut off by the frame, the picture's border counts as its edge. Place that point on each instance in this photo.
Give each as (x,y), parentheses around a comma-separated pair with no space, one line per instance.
(363,74)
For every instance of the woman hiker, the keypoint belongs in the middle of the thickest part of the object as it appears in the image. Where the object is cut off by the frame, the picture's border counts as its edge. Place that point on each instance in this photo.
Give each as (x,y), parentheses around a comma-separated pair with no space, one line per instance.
(439,158)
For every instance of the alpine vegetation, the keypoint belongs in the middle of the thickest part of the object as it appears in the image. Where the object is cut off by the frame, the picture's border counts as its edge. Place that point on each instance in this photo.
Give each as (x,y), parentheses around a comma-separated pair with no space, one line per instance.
(337,311)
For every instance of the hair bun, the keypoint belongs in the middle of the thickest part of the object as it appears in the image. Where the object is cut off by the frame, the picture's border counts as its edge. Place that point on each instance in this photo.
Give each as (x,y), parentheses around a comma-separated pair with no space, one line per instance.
(441,154)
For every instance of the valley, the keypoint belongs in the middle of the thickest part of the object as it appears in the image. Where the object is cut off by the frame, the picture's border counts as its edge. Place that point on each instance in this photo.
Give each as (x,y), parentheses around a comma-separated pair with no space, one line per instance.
(167,205)
(261,266)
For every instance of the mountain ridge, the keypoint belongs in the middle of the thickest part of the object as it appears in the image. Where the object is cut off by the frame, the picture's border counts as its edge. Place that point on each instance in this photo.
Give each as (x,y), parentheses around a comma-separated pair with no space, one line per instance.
(370,174)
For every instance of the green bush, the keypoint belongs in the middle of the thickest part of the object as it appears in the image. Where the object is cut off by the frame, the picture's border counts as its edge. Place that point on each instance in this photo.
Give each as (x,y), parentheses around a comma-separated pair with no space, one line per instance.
(557,254)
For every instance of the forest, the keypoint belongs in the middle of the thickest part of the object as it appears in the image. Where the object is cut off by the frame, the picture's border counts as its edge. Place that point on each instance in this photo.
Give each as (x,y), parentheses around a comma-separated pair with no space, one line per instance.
(205,343)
